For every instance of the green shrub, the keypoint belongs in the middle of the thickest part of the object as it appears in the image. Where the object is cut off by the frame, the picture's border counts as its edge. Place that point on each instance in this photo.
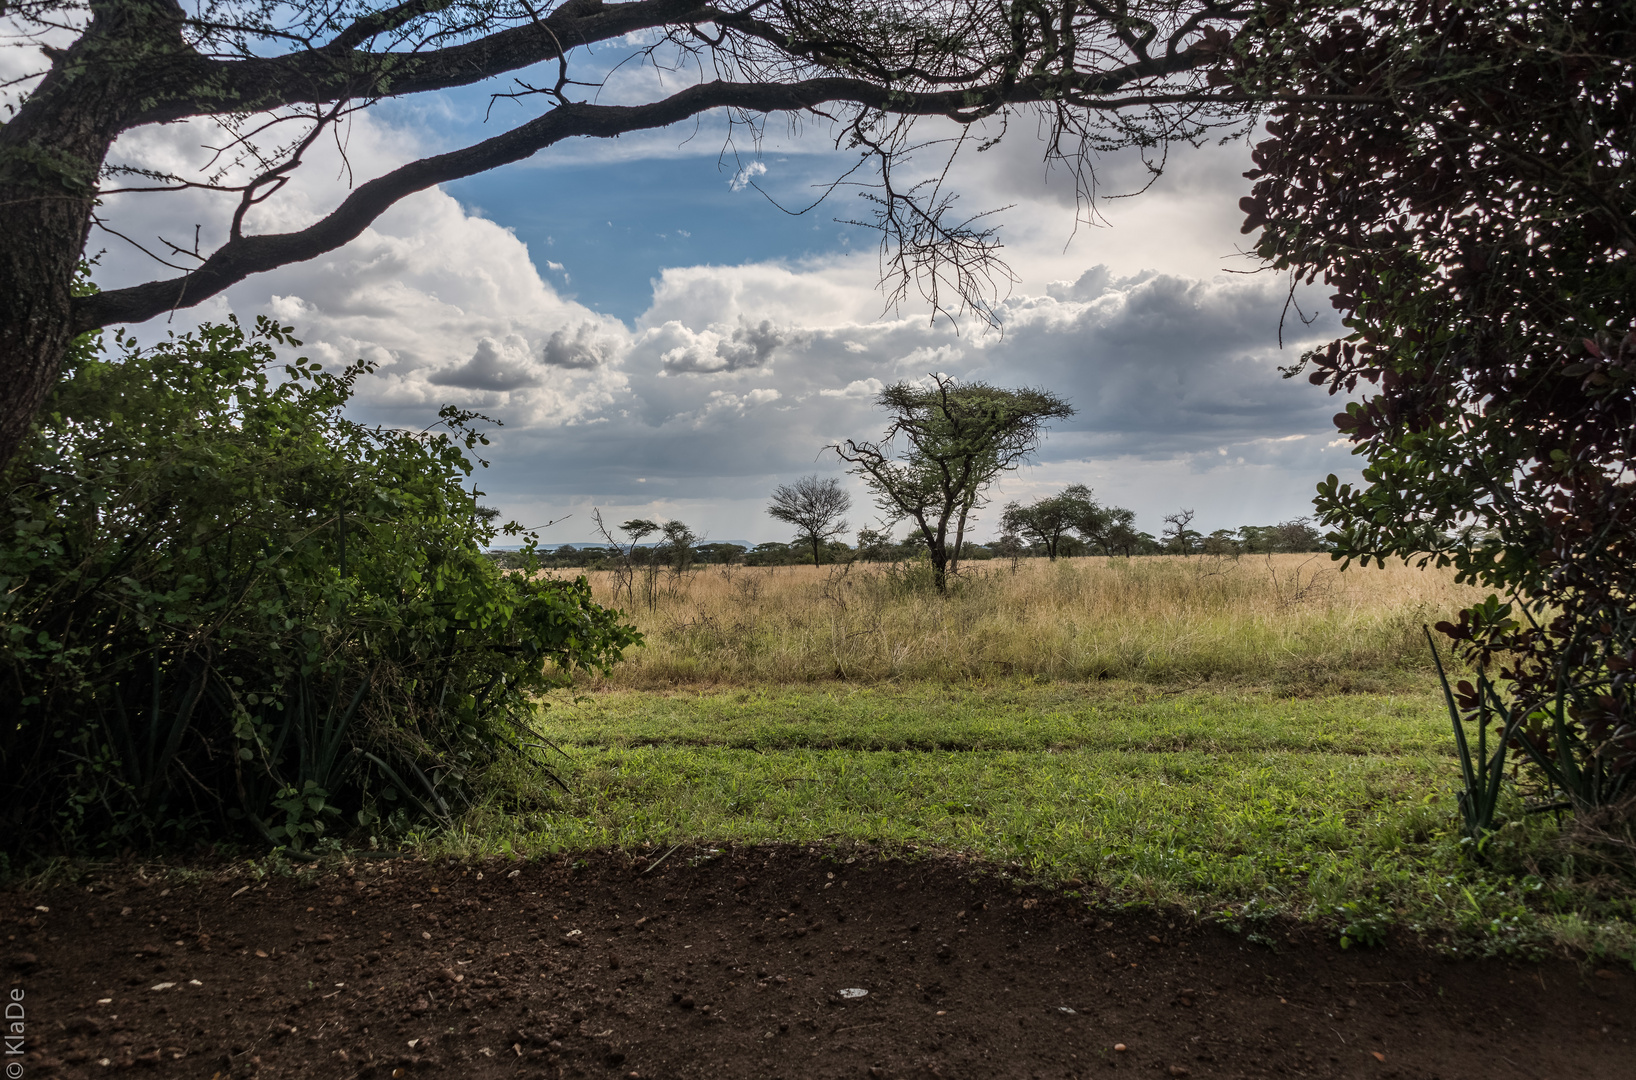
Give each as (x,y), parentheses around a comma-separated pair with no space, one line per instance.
(228,610)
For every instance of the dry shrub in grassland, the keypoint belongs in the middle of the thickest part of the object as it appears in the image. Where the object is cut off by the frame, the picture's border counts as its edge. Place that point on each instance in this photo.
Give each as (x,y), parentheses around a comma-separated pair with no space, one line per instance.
(1293,620)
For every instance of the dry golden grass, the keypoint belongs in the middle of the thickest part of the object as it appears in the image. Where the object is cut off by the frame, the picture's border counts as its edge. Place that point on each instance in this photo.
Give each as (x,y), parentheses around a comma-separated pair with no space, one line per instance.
(1294,622)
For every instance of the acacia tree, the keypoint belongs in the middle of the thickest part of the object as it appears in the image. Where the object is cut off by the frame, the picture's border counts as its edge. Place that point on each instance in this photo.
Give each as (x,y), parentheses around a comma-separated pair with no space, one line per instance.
(957,439)
(814,507)
(1111,530)
(1179,536)
(1046,521)
(1464,175)
(277,76)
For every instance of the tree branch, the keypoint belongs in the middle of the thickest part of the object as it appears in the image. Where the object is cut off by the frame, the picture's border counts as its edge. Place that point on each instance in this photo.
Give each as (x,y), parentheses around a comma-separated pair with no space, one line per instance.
(192,85)
(243,256)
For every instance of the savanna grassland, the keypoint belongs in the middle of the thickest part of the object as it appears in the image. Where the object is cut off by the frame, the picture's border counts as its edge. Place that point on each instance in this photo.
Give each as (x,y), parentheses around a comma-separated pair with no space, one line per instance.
(1253,736)
(1189,816)
(1293,622)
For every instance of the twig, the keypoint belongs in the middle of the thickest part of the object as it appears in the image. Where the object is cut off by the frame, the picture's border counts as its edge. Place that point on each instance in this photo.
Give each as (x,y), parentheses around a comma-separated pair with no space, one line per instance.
(662,858)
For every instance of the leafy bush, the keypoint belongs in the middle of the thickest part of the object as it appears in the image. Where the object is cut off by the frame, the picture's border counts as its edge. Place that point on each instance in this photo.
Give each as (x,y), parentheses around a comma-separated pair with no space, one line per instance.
(1457,174)
(228,610)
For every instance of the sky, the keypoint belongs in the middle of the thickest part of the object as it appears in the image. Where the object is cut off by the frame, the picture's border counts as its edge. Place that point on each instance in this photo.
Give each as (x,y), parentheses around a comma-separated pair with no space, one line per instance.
(663,335)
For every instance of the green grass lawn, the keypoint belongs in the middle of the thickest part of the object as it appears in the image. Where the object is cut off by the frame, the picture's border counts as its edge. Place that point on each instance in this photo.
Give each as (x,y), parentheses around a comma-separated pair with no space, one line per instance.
(1335,808)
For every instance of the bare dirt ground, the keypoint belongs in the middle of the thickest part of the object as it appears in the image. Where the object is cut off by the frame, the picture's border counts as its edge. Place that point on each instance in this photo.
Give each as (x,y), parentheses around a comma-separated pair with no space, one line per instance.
(744,963)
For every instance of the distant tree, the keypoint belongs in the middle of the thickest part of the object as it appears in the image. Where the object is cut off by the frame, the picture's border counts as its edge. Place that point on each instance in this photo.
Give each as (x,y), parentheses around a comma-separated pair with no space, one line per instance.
(875,545)
(1010,546)
(625,556)
(1047,521)
(814,506)
(639,529)
(1297,535)
(1112,531)
(772,553)
(677,549)
(1257,539)
(718,553)
(1072,547)
(1177,537)
(957,438)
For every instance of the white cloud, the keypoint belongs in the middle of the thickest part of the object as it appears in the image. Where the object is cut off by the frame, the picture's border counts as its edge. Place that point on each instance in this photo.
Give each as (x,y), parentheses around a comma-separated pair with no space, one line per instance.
(448,305)
(592,345)
(736,377)
(857,388)
(745,176)
(496,365)
(718,348)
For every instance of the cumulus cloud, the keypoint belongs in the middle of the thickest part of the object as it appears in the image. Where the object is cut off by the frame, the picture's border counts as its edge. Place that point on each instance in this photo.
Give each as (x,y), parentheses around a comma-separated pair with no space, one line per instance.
(1093,283)
(857,388)
(589,346)
(719,349)
(736,376)
(762,395)
(751,346)
(496,365)
(448,304)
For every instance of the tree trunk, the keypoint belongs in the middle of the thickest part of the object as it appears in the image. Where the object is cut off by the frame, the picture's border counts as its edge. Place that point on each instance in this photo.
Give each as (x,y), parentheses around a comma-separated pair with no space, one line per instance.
(36,283)
(50,155)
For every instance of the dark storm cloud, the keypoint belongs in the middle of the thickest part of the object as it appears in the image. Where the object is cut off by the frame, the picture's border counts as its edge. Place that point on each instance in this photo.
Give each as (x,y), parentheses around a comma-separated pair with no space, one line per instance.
(1161,365)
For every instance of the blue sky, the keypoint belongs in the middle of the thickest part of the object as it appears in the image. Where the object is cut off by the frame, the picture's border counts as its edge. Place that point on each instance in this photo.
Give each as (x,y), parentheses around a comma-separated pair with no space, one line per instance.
(627,224)
(660,340)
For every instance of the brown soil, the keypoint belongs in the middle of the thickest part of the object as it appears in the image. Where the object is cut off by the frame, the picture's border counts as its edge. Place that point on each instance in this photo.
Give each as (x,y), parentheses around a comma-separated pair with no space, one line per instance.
(736,965)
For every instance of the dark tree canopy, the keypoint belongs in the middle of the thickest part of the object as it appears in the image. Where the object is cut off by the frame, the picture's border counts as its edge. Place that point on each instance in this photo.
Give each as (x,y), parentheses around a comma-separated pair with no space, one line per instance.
(1463,174)
(814,506)
(278,76)
(957,438)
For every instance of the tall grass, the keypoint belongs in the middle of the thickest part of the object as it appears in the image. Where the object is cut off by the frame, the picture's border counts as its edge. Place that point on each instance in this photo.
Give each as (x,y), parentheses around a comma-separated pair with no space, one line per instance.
(1293,622)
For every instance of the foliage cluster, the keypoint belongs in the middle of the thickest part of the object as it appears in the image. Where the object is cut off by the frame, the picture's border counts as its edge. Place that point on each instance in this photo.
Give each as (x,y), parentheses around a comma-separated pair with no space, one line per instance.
(228,610)
(1463,174)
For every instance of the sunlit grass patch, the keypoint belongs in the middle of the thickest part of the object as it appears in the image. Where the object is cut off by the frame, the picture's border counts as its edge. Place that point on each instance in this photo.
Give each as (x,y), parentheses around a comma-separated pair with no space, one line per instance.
(1008,715)
(1332,808)
(1293,621)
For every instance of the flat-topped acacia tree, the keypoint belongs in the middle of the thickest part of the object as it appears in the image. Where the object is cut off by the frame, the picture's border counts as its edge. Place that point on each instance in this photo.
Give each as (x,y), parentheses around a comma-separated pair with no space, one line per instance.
(279,74)
(946,444)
